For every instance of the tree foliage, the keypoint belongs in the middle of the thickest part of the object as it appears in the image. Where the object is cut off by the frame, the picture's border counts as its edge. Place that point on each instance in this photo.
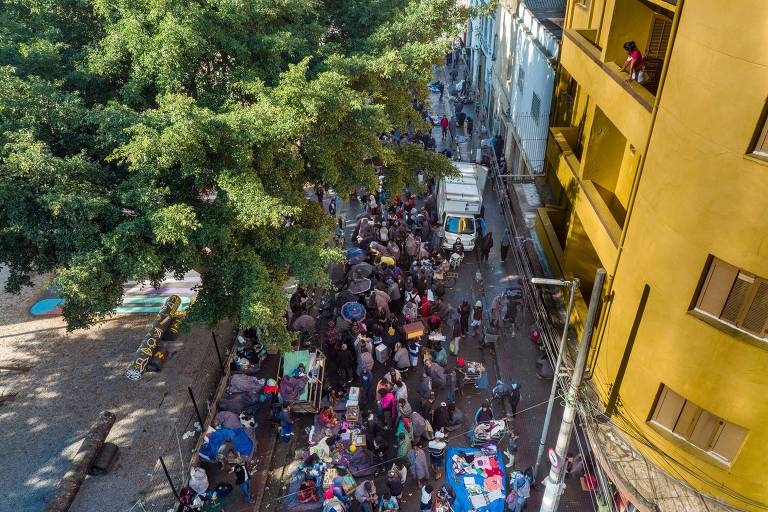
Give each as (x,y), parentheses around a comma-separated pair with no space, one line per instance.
(142,137)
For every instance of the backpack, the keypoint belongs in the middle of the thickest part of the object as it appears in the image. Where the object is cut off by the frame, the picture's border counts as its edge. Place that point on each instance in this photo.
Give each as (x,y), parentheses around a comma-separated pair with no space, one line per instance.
(187,496)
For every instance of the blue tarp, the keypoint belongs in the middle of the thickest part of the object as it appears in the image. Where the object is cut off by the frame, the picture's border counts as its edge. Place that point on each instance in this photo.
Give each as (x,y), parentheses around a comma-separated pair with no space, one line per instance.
(463,503)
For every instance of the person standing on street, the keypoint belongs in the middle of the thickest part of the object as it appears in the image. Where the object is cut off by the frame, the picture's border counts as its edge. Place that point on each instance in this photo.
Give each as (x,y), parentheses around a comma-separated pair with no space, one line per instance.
(441,88)
(452,128)
(470,125)
(505,243)
(464,311)
(366,383)
(487,245)
(444,126)
(436,449)
(514,398)
(243,480)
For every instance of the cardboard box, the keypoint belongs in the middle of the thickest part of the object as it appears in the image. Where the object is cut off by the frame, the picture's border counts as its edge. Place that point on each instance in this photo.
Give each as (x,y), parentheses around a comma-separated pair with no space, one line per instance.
(382,353)
(414,330)
(354,396)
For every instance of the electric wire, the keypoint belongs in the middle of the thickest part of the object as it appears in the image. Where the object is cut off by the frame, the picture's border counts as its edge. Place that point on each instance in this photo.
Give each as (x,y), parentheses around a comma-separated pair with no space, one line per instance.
(394,459)
(550,338)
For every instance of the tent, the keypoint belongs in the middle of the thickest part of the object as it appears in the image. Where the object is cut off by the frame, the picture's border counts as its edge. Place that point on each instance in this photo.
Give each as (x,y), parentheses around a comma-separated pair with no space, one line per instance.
(479,485)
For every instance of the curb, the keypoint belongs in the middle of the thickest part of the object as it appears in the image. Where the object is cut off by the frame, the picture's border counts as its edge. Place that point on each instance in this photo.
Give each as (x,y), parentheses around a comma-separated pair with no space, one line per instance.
(262,477)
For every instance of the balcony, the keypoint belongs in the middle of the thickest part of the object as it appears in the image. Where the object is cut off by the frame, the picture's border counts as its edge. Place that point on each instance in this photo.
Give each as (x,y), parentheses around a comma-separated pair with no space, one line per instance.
(627,104)
(596,216)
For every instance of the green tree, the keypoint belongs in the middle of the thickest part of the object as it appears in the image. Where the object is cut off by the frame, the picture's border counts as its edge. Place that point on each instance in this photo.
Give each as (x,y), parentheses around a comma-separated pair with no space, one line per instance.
(154,137)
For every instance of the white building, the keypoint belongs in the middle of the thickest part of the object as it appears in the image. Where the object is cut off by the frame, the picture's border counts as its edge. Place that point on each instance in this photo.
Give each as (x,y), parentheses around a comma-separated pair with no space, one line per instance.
(514,63)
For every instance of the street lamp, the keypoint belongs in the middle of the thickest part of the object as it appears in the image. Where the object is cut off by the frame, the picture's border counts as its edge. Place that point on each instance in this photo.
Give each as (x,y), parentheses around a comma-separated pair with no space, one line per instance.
(572,284)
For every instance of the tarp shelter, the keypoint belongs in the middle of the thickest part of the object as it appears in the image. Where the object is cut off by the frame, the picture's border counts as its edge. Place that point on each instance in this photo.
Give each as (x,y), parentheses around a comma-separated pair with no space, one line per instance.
(474,491)
(314,364)
(356,255)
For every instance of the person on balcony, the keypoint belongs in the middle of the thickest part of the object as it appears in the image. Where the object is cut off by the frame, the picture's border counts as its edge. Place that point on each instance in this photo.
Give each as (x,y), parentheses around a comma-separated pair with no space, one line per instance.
(634,63)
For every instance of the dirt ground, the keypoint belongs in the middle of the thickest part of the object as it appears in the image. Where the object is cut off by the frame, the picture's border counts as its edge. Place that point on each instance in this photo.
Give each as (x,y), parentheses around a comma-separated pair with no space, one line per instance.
(61,381)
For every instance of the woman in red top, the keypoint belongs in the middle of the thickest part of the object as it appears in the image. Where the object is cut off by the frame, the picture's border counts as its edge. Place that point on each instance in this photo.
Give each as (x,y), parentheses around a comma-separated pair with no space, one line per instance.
(633,64)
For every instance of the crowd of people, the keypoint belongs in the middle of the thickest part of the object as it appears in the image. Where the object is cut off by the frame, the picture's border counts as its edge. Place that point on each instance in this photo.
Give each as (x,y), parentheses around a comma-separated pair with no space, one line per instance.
(410,328)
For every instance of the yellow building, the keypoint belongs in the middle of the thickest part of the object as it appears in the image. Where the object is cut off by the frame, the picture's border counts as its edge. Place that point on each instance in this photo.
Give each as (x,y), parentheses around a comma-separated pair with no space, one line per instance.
(665,185)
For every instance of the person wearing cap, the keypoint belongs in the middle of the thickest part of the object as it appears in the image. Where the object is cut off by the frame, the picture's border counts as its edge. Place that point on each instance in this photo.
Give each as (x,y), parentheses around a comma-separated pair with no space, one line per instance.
(514,398)
(436,449)
(477,318)
(442,417)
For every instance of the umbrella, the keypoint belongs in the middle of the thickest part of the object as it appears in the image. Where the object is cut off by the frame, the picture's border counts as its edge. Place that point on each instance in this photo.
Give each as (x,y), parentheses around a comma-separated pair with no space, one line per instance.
(353,311)
(362,270)
(355,255)
(304,323)
(359,286)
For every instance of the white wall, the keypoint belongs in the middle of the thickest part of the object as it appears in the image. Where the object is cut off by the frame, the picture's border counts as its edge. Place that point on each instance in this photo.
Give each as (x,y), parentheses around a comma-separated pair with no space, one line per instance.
(535,55)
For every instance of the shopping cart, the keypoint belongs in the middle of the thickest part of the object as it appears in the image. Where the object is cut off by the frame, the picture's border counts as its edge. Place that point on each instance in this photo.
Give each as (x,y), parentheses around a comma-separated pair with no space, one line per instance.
(472,372)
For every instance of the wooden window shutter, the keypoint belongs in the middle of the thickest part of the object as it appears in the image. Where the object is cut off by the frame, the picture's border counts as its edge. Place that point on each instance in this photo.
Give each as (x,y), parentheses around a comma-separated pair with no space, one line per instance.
(658,39)
(704,430)
(737,298)
(761,147)
(728,440)
(757,315)
(668,408)
(716,287)
(687,420)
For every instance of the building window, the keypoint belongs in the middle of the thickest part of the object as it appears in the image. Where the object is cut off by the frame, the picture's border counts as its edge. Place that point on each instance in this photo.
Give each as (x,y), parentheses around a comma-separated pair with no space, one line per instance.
(520,77)
(735,297)
(761,141)
(719,438)
(535,107)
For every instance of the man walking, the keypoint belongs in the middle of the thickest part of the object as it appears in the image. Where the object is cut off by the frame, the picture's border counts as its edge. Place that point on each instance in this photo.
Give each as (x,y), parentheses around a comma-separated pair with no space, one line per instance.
(444,126)
(505,246)
(441,88)
(487,245)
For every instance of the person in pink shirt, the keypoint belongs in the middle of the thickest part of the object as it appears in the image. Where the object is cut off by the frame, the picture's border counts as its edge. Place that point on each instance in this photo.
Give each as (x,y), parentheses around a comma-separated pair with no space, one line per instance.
(634,63)
(388,406)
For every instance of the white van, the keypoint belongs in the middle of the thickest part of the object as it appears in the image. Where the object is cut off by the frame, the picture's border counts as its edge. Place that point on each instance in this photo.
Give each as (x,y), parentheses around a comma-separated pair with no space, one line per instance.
(459,201)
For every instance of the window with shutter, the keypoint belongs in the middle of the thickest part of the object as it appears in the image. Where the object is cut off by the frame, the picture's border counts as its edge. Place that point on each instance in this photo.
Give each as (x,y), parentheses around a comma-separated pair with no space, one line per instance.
(717,286)
(668,408)
(687,419)
(735,297)
(728,440)
(761,145)
(697,426)
(757,313)
(704,430)
(658,40)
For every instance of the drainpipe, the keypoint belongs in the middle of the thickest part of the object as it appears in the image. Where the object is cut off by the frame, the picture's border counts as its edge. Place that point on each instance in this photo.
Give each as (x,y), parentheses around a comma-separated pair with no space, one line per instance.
(638,175)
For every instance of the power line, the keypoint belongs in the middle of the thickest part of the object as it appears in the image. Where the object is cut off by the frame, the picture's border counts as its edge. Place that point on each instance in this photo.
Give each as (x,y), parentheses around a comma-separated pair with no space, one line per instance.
(453,436)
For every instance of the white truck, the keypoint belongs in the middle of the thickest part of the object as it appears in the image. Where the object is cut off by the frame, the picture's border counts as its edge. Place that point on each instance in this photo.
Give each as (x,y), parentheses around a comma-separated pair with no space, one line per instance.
(459,201)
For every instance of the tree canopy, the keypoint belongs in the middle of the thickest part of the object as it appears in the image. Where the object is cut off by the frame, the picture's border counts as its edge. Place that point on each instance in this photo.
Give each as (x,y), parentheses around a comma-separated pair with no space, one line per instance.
(142,137)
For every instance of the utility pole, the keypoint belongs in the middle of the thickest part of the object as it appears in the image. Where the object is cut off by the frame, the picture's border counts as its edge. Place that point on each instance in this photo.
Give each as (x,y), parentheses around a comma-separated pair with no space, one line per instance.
(572,285)
(554,482)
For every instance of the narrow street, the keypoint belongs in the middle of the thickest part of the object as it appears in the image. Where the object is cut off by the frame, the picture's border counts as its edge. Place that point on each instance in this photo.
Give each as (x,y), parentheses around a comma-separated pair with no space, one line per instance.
(515,354)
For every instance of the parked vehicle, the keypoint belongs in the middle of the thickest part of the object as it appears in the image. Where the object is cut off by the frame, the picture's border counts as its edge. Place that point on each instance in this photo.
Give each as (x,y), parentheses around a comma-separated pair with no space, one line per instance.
(459,202)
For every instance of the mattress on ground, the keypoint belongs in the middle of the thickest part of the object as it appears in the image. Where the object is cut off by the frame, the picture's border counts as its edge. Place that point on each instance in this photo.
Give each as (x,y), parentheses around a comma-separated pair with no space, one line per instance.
(291,361)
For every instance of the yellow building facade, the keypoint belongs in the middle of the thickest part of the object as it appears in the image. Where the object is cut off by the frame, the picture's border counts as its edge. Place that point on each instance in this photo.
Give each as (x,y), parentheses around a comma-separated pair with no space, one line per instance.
(665,185)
